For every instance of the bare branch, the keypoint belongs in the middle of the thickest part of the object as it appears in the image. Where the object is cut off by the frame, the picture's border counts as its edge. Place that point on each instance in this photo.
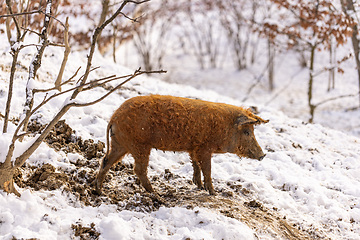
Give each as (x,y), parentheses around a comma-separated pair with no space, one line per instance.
(50,16)
(66,55)
(21,123)
(8,3)
(23,135)
(136,73)
(81,78)
(96,35)
(15,53)
(54,95)
(29,30)
(24,156)
(92,85)
(257,81)
(336,98)
(61,84)
(20,14)
(131,19)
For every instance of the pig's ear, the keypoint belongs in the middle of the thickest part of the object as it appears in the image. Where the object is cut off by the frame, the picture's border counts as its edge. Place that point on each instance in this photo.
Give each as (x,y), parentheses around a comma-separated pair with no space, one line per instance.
(243,119)
(253,119)
(260,120)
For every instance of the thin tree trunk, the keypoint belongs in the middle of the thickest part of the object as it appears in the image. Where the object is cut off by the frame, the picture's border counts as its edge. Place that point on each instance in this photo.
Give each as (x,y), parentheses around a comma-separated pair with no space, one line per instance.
(348,5)
(7,181)
(271,54)
(35,65)
(15,53)
(332,60)
(114,43)
(7,171)
(310,84)
(66,55)
(104,12)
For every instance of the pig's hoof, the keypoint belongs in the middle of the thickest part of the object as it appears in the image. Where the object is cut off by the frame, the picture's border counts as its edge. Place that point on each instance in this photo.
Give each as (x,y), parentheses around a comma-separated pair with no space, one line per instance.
(198,184)
(210,189)
(200,187)
(212,192)
(156,196)
(97,191)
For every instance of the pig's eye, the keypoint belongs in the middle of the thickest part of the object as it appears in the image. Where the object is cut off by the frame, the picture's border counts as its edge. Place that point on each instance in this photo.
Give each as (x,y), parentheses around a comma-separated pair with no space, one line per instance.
(246,132)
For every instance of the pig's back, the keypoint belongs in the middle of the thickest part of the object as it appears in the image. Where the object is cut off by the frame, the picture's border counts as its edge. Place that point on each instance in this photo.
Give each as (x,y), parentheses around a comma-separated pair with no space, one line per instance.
(173,123)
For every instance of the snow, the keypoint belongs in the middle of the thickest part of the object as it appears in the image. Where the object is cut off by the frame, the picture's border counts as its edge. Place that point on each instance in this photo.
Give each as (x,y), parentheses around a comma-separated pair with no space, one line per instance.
(4,144)
(178,222)
(31,216)
(310,173)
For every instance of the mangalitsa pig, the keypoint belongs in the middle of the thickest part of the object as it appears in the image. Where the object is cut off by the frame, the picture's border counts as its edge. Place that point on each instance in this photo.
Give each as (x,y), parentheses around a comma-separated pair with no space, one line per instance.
(170,123)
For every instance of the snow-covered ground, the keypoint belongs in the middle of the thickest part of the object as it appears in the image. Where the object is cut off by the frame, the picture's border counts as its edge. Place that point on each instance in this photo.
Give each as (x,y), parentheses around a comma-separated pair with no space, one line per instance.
(310,175)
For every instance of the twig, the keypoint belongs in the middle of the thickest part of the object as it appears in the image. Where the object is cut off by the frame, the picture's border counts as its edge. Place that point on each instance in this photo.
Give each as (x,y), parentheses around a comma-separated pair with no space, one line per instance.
(258,79)
(19,14)
(131,19)
(93,84)
(50,16)
(14,19)
(66,55)
(135,74)
(29,30)
(80,79)
(61,84)
(137,2)
(283,88)
(336,98)
(15,53)
(22,135)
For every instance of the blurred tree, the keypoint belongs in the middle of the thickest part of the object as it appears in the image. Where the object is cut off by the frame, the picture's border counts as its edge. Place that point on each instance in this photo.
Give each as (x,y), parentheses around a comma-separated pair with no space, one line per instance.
(237,18)
(349,9)
(201,31)
(150,32)
(312,27)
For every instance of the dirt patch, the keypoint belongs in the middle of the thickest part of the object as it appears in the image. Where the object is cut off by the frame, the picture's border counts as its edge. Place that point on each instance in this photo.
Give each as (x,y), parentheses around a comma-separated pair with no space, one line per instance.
(63,138)
(85,233)
(122,188)
(46,178)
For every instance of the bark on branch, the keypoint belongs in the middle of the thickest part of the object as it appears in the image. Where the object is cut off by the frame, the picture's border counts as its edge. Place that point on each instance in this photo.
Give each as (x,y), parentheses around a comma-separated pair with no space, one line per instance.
(35,65)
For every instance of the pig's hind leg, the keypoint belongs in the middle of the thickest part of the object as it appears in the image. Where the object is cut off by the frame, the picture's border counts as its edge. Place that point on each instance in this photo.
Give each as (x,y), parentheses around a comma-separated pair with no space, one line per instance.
(116,153)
